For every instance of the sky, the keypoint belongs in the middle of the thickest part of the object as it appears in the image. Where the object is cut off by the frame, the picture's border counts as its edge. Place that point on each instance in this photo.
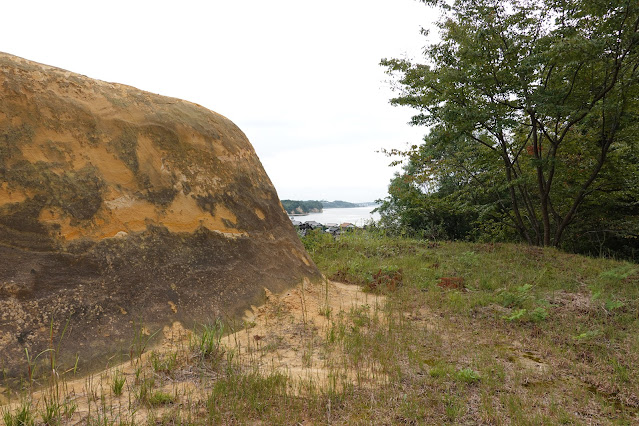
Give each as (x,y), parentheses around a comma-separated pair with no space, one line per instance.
(300,78)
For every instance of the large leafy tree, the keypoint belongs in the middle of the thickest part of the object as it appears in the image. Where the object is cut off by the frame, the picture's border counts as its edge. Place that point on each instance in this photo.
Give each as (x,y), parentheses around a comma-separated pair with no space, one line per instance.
(532,104)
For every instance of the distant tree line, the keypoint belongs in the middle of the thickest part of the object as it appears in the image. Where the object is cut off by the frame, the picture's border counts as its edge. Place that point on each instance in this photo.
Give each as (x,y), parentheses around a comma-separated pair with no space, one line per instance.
(313,206)
(302,207)
(532,111)
(338,204)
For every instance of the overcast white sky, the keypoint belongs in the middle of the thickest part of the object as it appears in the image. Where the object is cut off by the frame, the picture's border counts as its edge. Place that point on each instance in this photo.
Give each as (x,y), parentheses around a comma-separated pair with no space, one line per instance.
(300,78)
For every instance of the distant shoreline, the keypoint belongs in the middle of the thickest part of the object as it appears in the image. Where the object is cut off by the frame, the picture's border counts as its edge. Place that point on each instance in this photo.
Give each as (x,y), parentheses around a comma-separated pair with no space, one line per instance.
(358,216)
(302,207)
(351,207)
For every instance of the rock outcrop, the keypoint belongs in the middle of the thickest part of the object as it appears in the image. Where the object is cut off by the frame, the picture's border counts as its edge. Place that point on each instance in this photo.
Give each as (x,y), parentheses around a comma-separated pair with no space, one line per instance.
(121,208)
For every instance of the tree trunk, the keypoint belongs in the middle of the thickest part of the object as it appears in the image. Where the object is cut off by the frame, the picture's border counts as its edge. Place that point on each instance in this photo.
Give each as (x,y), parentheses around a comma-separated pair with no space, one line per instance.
(519,223)
(541,182)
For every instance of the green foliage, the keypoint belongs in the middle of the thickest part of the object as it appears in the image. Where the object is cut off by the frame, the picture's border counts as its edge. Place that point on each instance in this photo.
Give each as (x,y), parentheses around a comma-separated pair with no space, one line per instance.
(517,315)
(341,204)
(563,351)
(539,314)
(588,335)
(612,304)
(301,207)
(163,362)
(440,370)
(531,109)
(468,375)
(249,394)
(145,390)
(21,417)
(619,273)
(516,298)
(117,383)
(208,342)
(316,238)
(159,397)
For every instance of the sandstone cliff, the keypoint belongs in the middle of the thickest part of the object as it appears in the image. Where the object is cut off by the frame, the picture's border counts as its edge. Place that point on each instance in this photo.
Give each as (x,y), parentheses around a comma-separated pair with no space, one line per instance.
(120,207)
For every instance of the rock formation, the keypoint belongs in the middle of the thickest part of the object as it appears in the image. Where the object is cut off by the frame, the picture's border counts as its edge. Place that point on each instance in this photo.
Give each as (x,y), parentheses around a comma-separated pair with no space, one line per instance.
(120,207)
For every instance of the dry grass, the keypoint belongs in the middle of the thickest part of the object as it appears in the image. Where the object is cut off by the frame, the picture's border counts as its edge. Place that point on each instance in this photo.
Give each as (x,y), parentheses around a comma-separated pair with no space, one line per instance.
(533,336)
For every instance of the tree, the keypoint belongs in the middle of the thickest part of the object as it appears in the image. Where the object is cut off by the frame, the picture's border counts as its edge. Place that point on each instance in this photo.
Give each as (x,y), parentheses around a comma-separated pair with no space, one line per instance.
(535,97)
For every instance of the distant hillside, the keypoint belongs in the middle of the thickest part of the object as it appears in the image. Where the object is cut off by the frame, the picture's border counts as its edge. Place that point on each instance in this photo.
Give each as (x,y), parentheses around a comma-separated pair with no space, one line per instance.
(302,207)
(313,206)
(338,204)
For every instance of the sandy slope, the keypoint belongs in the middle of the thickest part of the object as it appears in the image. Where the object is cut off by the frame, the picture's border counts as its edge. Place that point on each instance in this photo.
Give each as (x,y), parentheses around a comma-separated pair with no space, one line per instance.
(287,334)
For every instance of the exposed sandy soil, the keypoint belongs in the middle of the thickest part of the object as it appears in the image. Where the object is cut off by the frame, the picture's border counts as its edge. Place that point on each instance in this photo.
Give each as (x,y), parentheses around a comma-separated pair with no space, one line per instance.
(290,329)
(287,334)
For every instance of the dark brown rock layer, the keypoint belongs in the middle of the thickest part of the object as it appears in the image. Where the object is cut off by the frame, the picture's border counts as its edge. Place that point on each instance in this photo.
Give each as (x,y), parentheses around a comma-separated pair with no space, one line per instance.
(118,208)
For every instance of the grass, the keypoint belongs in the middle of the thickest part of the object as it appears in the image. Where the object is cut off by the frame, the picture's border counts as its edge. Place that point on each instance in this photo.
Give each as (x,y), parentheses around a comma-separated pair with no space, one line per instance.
(117,383)
(523,336)
(22,416)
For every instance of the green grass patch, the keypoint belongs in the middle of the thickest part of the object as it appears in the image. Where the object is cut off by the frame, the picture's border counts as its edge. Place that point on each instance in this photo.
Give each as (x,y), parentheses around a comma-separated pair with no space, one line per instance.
(464,333)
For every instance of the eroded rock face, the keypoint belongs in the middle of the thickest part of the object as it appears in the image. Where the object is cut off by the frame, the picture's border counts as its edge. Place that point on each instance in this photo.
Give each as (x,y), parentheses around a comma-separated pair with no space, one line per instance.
(119,207)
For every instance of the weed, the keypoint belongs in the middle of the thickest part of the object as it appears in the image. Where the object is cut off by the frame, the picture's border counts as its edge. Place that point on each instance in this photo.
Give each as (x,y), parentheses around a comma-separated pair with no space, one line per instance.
(208,342)
(469,259)
(612,304)
(163,362)
(117,382)
(398,362)
(467,375)
(159,397)
(145,389)
(539,314)
(619,273)
(621,371)
(325,311)
(52,410)
(317,239)
(32,362)
(439,371)
(251,393)
(141,340)
(515,316)
(22,417)
(385,279)
(515,299)
(588,335)
(452,407)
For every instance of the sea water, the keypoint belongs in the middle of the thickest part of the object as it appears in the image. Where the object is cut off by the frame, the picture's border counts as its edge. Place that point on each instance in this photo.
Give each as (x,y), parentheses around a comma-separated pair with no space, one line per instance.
(358,216)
